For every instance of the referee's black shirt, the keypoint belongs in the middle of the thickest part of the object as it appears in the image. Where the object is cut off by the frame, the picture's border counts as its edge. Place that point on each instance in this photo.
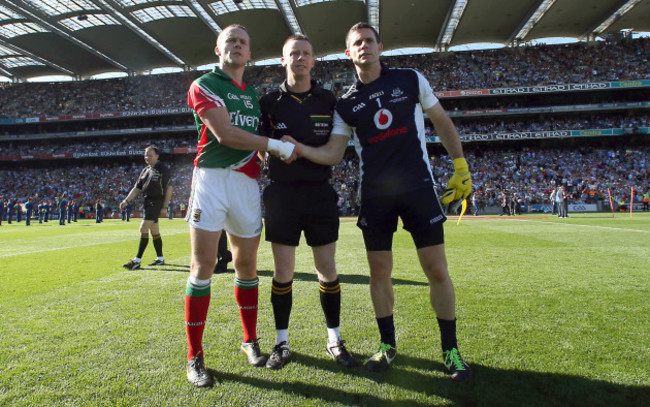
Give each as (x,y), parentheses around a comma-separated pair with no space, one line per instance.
(307,117)
(153,181)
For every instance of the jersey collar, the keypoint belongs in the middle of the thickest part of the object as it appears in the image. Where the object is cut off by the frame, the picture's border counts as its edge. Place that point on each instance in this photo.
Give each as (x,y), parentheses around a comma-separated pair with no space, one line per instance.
(221,74)
(357,82)
(284,89)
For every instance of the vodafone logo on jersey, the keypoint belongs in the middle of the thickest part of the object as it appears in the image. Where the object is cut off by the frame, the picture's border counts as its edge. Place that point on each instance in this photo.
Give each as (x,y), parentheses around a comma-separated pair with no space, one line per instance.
(383,119)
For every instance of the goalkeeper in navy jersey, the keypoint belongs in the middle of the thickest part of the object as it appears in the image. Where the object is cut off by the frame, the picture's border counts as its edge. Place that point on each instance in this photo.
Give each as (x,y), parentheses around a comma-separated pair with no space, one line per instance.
(383,114)
(155,186)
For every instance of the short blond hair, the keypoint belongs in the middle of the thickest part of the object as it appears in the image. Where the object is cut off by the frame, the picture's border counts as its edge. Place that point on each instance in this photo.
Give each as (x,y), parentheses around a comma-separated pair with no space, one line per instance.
(231,26)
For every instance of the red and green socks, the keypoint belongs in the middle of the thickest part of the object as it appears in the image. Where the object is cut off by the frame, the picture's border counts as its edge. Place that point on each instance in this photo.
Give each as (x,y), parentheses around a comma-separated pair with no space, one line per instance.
(197,302)
(246,295)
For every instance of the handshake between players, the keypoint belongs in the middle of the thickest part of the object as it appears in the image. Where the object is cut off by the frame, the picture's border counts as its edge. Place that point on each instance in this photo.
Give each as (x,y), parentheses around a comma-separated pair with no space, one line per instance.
(459,186)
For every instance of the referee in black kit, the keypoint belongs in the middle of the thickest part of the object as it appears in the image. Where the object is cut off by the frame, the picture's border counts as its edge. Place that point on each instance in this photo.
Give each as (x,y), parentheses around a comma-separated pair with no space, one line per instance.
(154,183)
(300,198)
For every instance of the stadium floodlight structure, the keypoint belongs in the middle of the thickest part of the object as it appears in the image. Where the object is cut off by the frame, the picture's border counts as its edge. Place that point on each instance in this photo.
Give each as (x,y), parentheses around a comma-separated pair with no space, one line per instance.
(91,37)
(451,23)
(532,20)
(12,56)
(290,16)
(16,29)
(35,10)
(286,8)
(204,16)
(232,6)
(283,6)
(10,59)
(629,5)
(83,21)
(145,15)
(373,13)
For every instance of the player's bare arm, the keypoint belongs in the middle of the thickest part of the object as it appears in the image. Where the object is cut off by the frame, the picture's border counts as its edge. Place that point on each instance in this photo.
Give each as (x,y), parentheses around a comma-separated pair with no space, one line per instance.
(218,122)
(329,154)
(460,184)
(446,130)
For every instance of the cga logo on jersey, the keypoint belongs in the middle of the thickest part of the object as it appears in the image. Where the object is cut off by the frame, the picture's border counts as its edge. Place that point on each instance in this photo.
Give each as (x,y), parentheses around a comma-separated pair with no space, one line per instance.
(383,119)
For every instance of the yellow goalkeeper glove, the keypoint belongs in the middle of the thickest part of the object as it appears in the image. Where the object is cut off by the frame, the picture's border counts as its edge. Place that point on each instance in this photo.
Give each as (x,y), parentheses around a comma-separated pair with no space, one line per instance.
(460,184)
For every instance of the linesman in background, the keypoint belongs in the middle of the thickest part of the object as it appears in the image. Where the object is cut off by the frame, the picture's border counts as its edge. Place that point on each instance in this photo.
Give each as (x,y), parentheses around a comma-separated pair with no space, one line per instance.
(300,198)
(155,186)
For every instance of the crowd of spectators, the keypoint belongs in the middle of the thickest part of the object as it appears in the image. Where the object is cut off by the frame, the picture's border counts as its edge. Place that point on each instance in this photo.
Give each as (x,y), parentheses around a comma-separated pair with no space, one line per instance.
(135,93)
(124,145)
(532,173)
(468,126)
(550,123)
(505,67)
(559,64)
(588,173)
(84,183)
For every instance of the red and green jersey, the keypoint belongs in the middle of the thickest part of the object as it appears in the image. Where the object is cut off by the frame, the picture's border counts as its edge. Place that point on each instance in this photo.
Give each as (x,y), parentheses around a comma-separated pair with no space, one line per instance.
(217,89)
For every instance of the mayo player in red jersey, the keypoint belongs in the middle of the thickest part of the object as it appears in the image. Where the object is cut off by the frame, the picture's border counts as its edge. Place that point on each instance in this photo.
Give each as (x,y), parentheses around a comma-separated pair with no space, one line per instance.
(225,195)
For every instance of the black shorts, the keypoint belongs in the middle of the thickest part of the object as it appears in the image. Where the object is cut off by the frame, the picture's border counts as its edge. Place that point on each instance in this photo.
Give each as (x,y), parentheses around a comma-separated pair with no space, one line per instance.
(152,209)
(421,214)
(293,208)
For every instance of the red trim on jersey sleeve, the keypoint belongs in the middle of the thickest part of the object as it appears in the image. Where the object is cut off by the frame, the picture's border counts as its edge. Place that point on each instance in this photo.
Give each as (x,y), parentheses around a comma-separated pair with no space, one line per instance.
(201,99)
(202,142)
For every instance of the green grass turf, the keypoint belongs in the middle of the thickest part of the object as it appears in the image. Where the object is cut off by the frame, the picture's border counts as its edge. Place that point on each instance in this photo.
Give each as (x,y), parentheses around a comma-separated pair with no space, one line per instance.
(550,312)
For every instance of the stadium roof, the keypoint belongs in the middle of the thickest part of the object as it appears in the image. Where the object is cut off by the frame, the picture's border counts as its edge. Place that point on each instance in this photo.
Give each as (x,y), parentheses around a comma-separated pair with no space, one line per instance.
(82,38)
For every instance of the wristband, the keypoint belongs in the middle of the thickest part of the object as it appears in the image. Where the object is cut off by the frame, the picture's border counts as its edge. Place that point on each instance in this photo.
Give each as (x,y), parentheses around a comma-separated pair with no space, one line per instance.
(281,148)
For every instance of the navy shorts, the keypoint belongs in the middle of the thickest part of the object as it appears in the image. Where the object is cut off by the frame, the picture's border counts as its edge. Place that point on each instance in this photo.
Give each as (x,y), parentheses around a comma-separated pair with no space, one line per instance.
(152,209)
(420,211)
(290,209)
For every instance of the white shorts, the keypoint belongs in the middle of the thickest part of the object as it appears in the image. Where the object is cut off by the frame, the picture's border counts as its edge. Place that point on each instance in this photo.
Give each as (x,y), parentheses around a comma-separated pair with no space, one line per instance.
(225,199)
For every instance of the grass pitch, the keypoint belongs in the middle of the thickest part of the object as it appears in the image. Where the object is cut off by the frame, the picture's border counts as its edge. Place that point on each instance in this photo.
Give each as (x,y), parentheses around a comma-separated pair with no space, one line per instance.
(550,312)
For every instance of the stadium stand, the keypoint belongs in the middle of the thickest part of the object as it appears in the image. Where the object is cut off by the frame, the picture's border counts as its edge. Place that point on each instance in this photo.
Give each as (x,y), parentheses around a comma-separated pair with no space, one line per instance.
(506,67)
(532,118)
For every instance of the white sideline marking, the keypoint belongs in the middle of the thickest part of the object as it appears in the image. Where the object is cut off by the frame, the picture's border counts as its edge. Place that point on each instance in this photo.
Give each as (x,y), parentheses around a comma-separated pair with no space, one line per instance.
(81,245)
(575,224)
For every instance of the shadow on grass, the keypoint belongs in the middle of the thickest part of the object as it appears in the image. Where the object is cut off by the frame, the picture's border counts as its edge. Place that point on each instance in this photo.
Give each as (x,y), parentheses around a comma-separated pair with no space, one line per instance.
(323,393)
(343,278)
(181,268)
(489,386)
